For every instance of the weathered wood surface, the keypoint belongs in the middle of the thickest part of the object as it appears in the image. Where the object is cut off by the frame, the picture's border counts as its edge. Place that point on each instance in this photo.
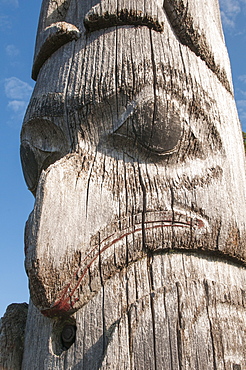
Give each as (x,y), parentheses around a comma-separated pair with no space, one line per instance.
(150,147)
(132,146)
(12,336)
(171,311)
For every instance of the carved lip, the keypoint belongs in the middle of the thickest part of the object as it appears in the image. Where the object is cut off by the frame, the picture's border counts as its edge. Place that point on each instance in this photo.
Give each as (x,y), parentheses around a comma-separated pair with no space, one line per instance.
(96,19)
(176,220)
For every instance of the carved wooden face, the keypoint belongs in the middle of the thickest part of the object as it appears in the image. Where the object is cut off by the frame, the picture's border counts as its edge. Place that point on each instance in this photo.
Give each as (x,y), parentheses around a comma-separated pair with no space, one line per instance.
(131,143)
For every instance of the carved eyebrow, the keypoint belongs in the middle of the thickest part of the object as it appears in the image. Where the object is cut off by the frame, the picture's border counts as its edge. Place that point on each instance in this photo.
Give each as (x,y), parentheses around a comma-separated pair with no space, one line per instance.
(188,34)
(58,34)
(96,19)
(51,39)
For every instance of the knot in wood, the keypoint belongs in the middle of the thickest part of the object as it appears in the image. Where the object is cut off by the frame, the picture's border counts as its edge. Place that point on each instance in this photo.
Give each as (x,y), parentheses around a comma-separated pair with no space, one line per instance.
(68,335)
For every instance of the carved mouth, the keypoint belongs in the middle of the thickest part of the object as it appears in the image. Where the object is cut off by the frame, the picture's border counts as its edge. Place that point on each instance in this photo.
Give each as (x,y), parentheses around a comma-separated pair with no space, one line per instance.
(177,220)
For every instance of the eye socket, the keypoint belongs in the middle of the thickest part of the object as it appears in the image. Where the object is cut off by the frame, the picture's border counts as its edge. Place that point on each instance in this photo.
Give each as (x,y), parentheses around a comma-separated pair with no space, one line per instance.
(158,129)
(155,128)
(155,125)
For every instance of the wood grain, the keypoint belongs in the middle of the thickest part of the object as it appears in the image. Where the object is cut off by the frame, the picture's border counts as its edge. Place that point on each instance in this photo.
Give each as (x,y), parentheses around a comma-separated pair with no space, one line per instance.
(133,149)
(166,311)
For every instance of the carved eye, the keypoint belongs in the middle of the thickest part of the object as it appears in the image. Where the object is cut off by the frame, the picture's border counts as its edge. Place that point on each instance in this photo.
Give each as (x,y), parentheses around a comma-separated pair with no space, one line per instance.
(155,125)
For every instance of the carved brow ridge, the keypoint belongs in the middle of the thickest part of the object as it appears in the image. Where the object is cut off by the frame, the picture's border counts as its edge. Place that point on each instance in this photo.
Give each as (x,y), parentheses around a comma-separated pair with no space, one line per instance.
(60,33)
(52,38)
(97,20)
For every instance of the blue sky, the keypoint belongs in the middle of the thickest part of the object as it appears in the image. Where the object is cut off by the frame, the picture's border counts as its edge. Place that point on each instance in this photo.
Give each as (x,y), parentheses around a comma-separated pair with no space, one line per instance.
(18,23)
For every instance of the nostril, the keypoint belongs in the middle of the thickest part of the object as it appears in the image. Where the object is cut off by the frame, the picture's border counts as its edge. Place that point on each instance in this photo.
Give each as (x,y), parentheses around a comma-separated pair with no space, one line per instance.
(42,144)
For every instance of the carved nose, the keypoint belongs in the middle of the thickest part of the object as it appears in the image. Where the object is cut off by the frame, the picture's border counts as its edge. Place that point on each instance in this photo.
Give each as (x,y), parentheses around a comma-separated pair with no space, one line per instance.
(42,143)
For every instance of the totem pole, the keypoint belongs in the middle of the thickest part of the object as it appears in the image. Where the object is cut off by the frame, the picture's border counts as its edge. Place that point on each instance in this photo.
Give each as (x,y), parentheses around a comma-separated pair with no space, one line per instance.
(131,144)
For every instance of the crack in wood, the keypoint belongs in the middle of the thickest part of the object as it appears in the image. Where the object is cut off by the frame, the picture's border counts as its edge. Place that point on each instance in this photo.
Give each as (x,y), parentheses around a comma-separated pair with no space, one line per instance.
(206,287)
(152,306)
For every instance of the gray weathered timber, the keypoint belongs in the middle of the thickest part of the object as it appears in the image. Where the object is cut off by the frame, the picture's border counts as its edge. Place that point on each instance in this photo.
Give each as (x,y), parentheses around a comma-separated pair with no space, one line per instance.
(129,134)
(12,336)
(131,144)
(166,311)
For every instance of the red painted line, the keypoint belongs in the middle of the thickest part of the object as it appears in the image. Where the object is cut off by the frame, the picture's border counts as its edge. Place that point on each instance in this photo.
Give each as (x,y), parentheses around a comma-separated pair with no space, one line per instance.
(62,305)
